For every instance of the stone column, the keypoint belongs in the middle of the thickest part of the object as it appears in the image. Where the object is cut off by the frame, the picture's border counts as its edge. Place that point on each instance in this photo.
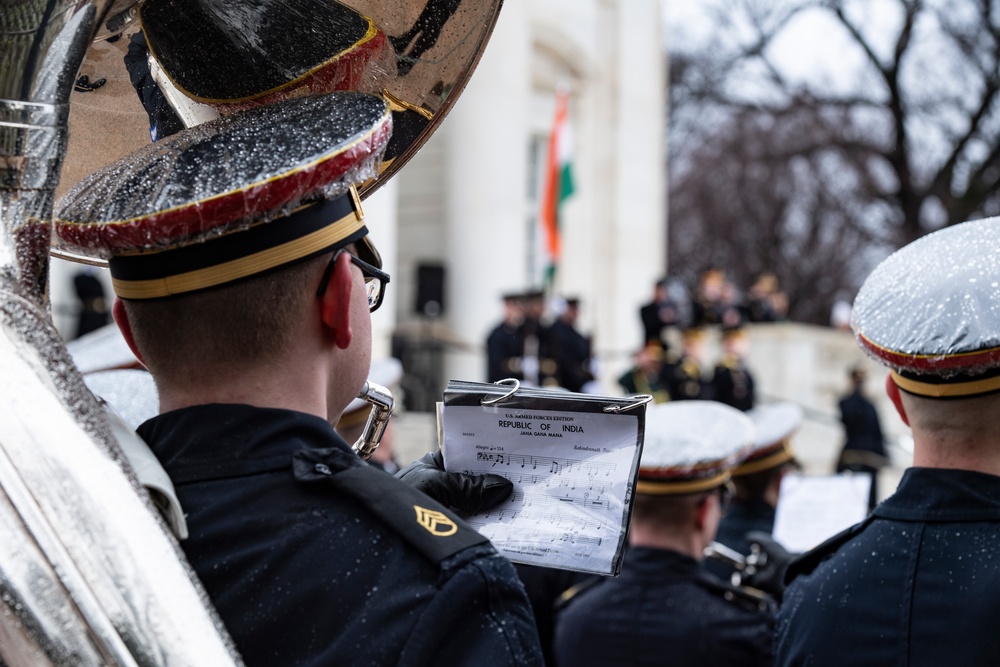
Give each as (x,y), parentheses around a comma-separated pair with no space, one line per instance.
(486,186)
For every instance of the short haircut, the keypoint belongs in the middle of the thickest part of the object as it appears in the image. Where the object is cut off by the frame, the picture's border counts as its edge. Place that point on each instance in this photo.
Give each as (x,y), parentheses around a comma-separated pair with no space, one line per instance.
(668,512)
(227,326)
(753,486)
(976,417)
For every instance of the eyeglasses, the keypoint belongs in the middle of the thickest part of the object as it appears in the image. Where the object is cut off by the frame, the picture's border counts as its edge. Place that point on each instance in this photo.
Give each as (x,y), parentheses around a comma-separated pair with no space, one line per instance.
(375,279)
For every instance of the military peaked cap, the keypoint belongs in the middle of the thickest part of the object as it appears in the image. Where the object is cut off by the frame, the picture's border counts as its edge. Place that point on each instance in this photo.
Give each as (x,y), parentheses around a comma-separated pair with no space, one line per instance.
(930,312)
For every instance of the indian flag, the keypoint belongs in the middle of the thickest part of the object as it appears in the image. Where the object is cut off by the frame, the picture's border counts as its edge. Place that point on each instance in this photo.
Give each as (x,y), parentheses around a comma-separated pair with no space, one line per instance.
(558,182)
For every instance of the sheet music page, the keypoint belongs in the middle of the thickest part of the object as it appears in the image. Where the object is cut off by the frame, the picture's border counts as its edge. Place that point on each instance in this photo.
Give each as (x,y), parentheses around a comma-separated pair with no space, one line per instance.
(572,472)
(813,508)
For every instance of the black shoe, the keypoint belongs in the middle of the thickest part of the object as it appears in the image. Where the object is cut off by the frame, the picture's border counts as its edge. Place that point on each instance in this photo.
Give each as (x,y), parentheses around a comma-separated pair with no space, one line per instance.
(85,85)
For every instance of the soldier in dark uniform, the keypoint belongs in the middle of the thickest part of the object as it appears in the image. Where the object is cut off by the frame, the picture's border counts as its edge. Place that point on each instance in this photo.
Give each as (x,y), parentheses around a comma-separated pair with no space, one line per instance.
(257,340)
(864,445)
(571,349)
(646,375)
(538,365)
(707,304)
(682,373)
(504,345)
(915,583)
(664,608)
(757,481)
(659,315)
(732,381)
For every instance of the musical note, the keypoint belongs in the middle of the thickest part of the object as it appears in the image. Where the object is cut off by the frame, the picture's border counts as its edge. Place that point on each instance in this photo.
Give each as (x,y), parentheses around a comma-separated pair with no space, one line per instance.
(567,508)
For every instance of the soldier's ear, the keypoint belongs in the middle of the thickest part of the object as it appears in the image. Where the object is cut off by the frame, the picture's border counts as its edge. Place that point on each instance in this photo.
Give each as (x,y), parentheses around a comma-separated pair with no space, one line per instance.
(120,316)
(335,304)
(892,390)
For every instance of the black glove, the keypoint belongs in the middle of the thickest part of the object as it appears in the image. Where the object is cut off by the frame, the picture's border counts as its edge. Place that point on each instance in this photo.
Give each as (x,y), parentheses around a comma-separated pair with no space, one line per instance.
(466,493)
(768,561)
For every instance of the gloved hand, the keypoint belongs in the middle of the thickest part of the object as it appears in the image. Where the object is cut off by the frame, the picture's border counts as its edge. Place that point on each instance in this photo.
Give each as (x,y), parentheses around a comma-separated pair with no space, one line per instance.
(769,560)
(466,493)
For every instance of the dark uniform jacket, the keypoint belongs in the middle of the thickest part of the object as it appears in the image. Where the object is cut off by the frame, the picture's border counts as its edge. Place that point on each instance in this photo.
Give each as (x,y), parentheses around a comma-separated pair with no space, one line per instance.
(732,383)
(657,316)
(314,558)
(662,610)
(504,349)
(571,351)
(742,517)
(682,377)
(861,426)
(914,584)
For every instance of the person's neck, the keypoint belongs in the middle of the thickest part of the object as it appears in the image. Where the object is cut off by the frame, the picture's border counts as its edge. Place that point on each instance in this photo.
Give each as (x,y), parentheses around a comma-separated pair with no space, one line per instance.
(294,388)
(689,544)
(979,455)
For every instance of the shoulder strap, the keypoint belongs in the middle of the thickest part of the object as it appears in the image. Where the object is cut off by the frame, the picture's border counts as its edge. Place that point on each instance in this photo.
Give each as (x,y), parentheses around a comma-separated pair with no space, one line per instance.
(425,524)
(570,593)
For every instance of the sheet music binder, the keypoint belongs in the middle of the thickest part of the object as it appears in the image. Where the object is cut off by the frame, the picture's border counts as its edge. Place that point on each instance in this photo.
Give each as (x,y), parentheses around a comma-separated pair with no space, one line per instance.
(573,459)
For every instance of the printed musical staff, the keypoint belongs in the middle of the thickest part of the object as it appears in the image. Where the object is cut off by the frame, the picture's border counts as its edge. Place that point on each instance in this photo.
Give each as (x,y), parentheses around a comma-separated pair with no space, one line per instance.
(570,461)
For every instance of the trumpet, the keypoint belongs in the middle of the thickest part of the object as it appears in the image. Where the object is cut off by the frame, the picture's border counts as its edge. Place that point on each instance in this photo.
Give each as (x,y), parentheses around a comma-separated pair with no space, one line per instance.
(378,418)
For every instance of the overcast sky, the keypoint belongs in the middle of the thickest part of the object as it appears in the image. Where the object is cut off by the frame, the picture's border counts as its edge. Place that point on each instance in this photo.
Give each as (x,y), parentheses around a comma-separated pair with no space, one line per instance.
(811,47)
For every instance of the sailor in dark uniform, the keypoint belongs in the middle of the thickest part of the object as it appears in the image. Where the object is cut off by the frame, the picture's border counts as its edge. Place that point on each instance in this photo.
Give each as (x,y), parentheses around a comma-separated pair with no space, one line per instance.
(757,481)
(915,583)
(664,608)
(732,381)
(258,335)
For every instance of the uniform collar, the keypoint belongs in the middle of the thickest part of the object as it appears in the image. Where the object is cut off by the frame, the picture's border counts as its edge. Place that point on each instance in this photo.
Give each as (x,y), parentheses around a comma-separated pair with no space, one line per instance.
(649,564)
(929,494)
(228,440)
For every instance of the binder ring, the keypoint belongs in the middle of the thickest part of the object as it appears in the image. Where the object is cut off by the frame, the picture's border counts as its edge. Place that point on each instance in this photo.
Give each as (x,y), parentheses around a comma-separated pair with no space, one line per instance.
(641,399)
(516,386)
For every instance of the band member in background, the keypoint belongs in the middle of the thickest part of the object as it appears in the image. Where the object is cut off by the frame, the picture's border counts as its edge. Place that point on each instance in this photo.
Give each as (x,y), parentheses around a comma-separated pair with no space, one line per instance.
(664,608)
(914,584)
(757,481)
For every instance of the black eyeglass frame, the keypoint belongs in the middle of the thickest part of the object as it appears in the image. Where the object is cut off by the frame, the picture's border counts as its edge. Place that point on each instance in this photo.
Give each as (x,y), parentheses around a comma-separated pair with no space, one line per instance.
(370,273)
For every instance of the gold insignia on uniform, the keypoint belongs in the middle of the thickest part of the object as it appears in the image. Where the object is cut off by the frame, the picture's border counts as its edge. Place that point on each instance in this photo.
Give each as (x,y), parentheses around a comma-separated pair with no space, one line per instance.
(436,523)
